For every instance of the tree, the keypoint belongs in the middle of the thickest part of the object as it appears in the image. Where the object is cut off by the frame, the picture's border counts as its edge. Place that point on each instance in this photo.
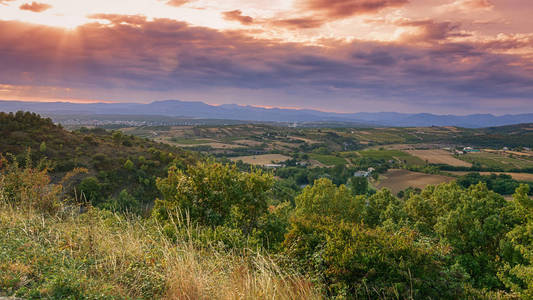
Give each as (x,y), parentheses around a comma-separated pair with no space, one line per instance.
(359,185)
(124,203)
(42,147)
(474,228)
(326,199)
(214,194)
(91,189)
(129,165)
(357,262)
(383,208)
(517,273)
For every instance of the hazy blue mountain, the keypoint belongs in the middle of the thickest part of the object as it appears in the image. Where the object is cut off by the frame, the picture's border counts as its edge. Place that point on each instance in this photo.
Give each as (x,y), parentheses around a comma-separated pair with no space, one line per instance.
(202,110)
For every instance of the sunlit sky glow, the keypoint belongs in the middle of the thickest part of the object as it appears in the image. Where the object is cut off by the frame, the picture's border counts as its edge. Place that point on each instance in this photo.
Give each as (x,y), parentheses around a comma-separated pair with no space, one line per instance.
(440,56)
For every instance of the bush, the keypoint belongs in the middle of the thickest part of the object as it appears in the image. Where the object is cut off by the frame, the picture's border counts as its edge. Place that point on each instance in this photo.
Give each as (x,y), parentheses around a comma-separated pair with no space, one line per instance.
(91,190)
(28,187)
(214,194)
(358,262)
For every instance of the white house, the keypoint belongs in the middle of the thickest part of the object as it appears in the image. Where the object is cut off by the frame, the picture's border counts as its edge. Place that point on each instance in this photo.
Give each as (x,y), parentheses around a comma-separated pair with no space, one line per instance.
(361,174)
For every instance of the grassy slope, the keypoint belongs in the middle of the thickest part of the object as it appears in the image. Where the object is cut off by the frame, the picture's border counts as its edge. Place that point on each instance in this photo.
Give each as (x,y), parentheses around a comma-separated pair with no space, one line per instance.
(97,150)
(101,255)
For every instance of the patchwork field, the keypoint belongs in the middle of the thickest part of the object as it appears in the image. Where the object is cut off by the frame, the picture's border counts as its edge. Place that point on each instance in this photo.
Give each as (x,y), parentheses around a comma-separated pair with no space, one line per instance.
(498,161)
(438,156)
(398,180)
(261,160)
(328,160)
(392,154)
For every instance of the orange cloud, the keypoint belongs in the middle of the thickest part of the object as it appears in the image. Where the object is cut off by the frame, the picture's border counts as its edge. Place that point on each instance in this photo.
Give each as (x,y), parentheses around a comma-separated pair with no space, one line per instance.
(467,6)
(177,3)
(35,7)
(315,13)
(299,23)
(120,19)
(346,8)
(429,30)
(236,15)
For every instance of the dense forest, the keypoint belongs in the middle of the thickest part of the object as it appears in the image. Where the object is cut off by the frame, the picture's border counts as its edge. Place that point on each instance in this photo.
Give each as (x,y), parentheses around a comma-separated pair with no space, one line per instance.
(94,214)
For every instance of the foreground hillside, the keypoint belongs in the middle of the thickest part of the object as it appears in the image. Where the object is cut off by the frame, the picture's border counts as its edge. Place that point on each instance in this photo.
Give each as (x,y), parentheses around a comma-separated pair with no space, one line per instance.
(212,230)
(446,242)
(100,255)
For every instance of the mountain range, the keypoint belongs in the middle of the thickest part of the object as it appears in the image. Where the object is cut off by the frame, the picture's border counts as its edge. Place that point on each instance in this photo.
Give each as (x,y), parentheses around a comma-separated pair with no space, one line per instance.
(201,110)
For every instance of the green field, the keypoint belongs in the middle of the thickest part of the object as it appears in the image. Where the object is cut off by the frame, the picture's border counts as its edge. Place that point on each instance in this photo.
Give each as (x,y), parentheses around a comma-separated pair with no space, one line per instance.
(497,161)
(381,136)
(329,160)
(392,154)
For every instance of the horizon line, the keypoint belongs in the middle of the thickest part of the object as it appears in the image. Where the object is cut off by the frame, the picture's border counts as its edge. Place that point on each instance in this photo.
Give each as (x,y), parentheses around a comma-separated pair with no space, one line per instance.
(267,107)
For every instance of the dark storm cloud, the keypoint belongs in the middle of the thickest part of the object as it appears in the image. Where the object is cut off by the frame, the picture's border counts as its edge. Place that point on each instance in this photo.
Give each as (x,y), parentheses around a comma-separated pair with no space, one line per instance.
(164,55)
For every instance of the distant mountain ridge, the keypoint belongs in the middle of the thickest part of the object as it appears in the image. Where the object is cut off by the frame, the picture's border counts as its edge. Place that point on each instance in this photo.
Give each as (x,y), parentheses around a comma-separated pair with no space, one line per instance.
(202,110)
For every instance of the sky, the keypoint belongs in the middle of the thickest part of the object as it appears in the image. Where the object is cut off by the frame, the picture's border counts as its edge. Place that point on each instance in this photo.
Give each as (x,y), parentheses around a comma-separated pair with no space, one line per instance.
(436,56)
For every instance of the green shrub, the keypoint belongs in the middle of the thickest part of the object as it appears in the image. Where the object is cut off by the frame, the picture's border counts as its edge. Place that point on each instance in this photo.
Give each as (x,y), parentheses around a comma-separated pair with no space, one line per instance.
(214,194)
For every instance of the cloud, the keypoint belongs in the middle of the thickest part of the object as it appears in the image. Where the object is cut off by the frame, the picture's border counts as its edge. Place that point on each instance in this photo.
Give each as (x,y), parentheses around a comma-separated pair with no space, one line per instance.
(35,7)
(177,3)
(466,6)
(315,13)
(430,30)
(117,19)
(346,8)
(5,2)
(163,55)
(236,15)
(299,23)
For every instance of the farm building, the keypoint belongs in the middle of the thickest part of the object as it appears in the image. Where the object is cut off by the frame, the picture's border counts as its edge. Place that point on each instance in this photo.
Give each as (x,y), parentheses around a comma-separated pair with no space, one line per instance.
(361,174)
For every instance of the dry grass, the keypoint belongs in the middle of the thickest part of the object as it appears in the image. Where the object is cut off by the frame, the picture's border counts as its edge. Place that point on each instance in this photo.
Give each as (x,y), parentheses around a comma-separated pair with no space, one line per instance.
(130,257)
(63,253)
(438,156)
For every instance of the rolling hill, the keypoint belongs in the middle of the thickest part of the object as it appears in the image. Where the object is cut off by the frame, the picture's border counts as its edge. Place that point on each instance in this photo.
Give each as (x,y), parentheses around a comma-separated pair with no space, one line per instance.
(202,110)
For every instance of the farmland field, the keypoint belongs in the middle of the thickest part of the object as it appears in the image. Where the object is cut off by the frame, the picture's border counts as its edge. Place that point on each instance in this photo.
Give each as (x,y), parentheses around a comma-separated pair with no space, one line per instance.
(185,141)
(392,154)
(261,160)
(398,180)
(497,161)
(439,156)
(328,160)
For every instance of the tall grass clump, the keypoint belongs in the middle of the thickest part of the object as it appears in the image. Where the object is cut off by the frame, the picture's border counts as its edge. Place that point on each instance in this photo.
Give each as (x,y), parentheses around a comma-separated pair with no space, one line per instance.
(48,251)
